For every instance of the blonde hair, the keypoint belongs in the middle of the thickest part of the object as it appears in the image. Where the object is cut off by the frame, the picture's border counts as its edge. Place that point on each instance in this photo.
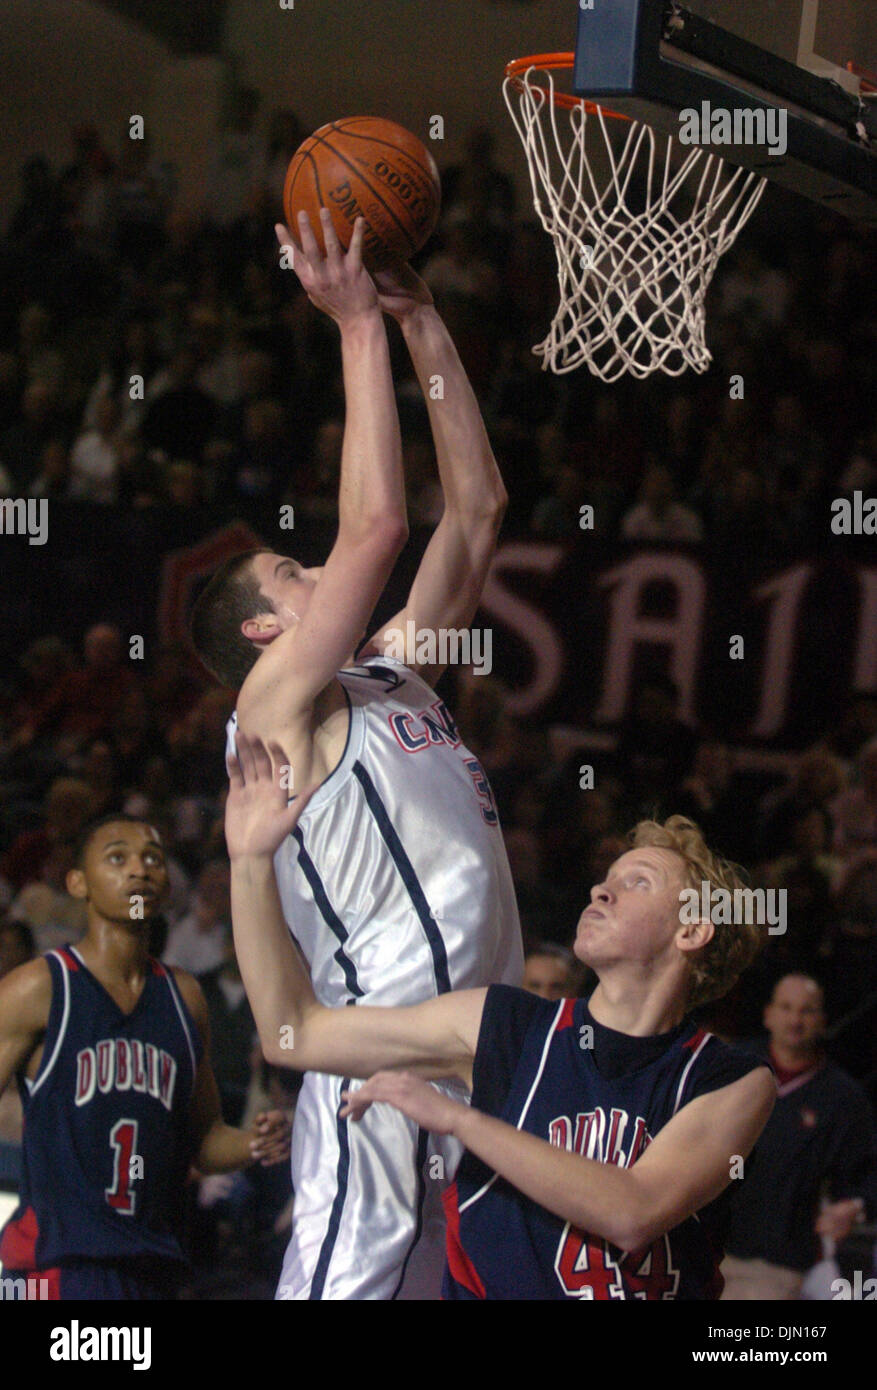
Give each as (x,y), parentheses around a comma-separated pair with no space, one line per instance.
(717,966)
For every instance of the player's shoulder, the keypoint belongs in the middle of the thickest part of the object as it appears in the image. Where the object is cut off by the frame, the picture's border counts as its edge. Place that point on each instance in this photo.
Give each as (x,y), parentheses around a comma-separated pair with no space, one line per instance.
(371,663)
(26,993)
(721,1064)
(511,1011)
(191,991)
(505,1041)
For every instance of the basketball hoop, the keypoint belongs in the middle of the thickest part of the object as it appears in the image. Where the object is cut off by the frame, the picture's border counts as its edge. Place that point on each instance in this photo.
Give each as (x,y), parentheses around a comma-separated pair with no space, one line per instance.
(635,258)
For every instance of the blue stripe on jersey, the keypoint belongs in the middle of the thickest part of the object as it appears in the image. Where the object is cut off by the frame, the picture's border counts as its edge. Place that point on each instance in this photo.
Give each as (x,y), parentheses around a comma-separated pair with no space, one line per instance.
(318,1282)
(409,878)
(422,1138)
(328,913)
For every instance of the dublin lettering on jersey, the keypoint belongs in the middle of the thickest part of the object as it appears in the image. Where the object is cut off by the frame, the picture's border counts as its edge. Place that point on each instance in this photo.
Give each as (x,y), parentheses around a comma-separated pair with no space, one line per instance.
(124,1064)
(426,729)
(592,1137)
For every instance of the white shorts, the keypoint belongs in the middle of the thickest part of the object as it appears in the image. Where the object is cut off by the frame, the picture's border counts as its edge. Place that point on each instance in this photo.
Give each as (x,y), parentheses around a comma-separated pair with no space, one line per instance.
(368,1222)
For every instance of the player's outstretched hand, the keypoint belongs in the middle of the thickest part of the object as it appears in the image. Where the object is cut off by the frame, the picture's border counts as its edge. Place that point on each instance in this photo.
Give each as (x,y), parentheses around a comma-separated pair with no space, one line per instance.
(258,817)
(270,1137)
(401,291)
(338,283)
(415,1097)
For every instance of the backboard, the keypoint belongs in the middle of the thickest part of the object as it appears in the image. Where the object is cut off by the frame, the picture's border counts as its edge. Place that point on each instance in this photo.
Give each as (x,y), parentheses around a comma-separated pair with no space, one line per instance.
(763,62)
(820,36)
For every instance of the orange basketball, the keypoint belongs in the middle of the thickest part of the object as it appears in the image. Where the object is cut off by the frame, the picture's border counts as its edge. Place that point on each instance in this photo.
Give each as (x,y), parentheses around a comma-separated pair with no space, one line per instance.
(366,167)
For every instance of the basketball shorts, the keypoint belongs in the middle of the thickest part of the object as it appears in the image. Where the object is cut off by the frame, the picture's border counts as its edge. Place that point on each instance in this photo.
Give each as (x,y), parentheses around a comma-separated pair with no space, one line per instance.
(368,1221)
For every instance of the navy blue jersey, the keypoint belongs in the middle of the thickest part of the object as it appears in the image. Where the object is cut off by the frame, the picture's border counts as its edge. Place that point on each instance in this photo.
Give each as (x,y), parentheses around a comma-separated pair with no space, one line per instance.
(106,1124)
(550,1069)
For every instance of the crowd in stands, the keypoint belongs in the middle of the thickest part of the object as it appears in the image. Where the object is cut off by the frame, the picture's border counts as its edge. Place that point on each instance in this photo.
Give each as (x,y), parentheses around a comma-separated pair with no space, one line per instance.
(105,283)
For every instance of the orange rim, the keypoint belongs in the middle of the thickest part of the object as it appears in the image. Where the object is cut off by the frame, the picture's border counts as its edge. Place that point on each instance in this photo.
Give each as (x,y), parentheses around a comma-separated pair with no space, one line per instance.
(867,80)
(552,62)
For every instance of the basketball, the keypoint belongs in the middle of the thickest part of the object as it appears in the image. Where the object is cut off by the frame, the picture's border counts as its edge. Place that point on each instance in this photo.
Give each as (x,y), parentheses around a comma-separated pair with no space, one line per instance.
(366,167)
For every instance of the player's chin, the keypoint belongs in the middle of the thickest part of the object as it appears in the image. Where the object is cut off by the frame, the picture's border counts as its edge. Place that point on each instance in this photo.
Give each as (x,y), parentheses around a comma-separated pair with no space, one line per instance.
(135,911)
(580,945)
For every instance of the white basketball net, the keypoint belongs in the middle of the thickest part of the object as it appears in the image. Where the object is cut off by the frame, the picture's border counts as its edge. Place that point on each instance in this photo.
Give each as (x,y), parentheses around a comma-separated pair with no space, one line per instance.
(633,281)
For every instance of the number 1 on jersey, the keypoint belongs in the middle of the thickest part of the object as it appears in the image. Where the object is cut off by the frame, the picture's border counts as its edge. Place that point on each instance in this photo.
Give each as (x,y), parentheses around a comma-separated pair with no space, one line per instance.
(123,1138)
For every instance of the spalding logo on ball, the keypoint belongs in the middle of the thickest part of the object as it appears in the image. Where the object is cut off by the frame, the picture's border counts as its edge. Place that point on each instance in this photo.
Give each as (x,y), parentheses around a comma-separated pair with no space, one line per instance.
(366,167)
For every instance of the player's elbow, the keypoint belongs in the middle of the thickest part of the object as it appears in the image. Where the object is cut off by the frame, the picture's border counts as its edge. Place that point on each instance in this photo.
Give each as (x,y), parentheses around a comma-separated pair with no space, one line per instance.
(295,1043)
(482,510)
(393,534)
(384,533)
(635,1222)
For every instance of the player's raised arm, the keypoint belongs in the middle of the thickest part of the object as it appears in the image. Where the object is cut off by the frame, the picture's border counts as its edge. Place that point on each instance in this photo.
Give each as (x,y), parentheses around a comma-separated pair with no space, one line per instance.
(372,522)
(435,1039)
(447,589)
(686,1166)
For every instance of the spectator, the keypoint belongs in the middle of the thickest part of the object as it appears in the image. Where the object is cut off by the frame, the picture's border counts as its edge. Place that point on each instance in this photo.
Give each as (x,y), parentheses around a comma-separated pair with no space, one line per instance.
(855,810)
(816,779)
(138,204)
(24,442)
(853,938)
(193,742)
(461,272)
(266,458)
(52,478)
(819,1138)
(66,809)
(181,419)
(556,516)
(234,160)
(135,356)
(545,906)
(552,971)
(36,222)
(45,663)
(38,349)
(92,214)
(171,686)
(94,461)
(658,516)
(86,701)
(807,875)
(711,797)
(52,916)
(655,749)
(478,188)
(199,941)
(285,134)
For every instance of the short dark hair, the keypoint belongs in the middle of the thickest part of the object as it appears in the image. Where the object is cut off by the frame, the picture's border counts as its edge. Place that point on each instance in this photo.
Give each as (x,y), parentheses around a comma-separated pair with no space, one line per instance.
(553,949)
(86,835)
(230,596)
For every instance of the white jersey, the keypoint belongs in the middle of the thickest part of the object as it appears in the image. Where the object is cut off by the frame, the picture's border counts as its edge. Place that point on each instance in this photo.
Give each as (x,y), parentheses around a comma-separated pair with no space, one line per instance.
(397,888)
